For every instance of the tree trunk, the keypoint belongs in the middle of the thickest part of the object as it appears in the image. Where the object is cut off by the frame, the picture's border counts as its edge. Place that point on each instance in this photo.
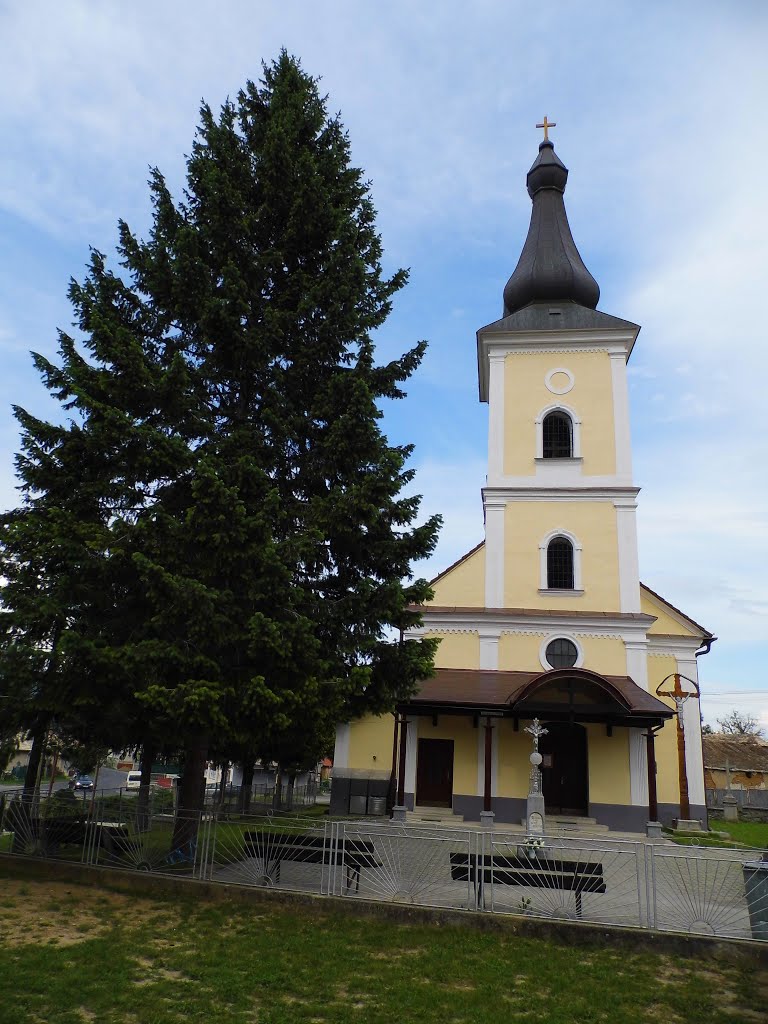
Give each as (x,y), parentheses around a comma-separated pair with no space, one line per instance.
(33,766)
(191,796)
(142,803)
(246,787)
(223,783)
(289,794)
(277,802)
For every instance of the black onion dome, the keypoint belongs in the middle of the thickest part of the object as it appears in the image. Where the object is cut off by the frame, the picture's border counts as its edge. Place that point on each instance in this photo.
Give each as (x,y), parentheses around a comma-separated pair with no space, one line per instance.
(550,268)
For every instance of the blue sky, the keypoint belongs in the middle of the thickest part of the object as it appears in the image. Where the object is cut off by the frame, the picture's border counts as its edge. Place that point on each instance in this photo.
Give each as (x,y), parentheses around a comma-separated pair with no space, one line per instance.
(660,119)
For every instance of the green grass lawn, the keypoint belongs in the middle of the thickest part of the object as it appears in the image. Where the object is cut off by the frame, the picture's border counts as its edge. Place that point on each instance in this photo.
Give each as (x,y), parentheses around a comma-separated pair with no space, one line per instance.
(70,954)
(741,833)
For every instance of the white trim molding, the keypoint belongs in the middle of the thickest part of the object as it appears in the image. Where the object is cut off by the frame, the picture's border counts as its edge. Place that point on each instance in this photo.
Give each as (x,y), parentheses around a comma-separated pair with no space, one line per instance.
(494,508)
(576,545)
(411,754)
(489,647)
(341,747)
(621,431)
(496,361)
(560,636)
(575,429)
(551,387)
(638,768)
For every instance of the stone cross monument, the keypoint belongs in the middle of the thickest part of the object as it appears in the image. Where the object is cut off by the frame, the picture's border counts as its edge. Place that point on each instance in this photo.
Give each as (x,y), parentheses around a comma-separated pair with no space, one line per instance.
(534,815)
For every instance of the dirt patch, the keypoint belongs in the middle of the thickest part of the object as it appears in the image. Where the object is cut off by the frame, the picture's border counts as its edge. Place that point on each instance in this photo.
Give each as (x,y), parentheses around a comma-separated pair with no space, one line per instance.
(53,913)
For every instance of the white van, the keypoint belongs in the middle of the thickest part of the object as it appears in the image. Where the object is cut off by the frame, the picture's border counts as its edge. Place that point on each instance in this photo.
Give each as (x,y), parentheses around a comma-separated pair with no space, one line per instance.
(133,781)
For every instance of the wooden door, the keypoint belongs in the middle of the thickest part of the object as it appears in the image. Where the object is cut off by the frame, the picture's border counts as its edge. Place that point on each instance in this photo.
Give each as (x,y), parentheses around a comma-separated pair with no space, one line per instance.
(434,773)
(565,781)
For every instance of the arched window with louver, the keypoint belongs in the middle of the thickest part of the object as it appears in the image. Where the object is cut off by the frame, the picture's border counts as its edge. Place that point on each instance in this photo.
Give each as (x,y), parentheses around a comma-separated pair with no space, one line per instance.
(557,431)
(560,564)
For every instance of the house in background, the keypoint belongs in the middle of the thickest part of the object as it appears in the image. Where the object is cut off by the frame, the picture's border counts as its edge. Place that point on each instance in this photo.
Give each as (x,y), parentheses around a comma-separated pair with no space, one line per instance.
(546,618)
(735,763)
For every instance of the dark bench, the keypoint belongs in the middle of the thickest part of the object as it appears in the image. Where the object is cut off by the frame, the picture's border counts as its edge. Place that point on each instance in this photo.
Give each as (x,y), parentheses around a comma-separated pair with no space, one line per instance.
(540,872)
(272,848)
(51,833)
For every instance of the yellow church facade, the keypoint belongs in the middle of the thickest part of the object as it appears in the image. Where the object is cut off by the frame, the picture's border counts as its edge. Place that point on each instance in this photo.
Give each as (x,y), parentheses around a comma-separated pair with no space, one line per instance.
(546,618)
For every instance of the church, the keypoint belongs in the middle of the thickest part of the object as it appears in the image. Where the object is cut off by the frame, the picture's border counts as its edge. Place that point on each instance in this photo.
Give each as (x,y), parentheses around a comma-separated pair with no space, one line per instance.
(546,619)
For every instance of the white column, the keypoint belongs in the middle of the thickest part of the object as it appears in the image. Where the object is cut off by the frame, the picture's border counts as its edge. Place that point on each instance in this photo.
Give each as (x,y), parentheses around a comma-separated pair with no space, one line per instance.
(489,648)
(411,753)
(694,760)
(621,416)
(629,568)
(638,768)
(341,748)
(494,551)
(496,362)
(637,660)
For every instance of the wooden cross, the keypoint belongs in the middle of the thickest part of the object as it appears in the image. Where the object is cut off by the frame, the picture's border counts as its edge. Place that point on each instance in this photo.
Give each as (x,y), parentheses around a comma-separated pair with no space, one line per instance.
(546,125)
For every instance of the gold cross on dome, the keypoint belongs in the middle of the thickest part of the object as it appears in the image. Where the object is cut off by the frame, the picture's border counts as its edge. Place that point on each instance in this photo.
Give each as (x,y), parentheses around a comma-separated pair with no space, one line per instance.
(546,125)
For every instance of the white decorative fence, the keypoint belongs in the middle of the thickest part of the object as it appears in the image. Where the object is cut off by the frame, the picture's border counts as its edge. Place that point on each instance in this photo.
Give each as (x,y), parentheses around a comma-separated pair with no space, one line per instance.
(659,886)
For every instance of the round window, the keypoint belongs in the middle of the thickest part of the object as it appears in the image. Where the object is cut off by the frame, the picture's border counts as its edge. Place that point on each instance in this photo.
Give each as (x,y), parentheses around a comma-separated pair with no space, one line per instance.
(561,653)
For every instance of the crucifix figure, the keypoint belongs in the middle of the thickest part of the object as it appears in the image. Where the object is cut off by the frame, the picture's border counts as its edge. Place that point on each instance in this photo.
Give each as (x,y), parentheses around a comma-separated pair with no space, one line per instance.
(536,730)
(546,125)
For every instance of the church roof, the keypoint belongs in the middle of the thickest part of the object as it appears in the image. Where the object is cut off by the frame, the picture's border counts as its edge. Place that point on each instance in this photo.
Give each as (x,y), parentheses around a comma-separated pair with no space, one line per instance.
(557,316)
(550,268)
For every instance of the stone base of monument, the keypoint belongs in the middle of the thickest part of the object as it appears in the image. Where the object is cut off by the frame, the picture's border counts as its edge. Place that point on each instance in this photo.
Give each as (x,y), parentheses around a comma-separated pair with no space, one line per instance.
(730,808)
(487,818)
(653,829)
(534,814)
(399,814)
(688,825)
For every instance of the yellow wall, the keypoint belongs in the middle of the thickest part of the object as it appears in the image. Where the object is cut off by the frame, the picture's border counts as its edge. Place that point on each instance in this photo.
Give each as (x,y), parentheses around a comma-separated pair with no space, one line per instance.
(463,586)
(520,652)
(590,398)
(665,622)
(608,758)
(513,760)
(465,739)
(667,778)
(457,650)
(371,736)
(594,525)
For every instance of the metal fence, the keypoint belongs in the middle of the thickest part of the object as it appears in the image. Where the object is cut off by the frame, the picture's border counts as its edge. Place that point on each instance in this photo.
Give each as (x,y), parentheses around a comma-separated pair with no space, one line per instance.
(639,884)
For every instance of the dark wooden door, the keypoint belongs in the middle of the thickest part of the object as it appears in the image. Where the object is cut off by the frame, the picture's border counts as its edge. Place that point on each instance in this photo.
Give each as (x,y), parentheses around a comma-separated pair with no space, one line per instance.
(564,768)
(434,773)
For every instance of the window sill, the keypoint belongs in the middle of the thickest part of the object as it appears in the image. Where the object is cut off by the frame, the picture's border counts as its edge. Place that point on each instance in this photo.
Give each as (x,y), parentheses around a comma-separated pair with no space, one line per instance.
(554,592)
(564,461)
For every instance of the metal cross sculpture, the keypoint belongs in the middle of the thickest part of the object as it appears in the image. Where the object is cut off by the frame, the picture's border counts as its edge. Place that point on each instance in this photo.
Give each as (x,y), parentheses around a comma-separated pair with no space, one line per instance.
(535,730)
(546,125)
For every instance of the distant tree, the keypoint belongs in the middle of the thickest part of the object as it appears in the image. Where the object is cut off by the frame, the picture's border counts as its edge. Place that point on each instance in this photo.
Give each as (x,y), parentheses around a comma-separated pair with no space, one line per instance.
(706,730)
(738,723)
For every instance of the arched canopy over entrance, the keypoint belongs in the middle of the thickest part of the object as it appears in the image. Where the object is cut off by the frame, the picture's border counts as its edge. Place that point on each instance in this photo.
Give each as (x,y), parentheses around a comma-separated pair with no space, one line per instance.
(571,694)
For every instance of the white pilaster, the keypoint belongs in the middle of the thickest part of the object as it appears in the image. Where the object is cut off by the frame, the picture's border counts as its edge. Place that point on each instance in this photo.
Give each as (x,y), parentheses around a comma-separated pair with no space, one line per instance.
(411,753)
(621,416)
(629,567)
(489,648)
(638,768)
(494,551)
(341,748)
(496,362)
(637,660)
(694,761)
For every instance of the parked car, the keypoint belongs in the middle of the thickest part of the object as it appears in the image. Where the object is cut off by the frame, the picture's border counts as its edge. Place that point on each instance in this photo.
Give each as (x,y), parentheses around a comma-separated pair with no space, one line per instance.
(81,782)
(133,780)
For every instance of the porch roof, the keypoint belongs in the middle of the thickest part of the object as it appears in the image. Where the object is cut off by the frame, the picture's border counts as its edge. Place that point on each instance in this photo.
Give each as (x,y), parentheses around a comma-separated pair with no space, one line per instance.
(523,695)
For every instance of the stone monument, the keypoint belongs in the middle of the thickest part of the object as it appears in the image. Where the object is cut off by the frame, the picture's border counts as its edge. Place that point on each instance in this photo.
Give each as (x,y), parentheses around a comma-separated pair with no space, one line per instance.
(534,813)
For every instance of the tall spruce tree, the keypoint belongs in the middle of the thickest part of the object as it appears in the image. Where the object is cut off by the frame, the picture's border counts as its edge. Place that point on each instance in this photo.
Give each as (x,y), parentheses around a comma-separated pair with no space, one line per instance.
(258,533)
